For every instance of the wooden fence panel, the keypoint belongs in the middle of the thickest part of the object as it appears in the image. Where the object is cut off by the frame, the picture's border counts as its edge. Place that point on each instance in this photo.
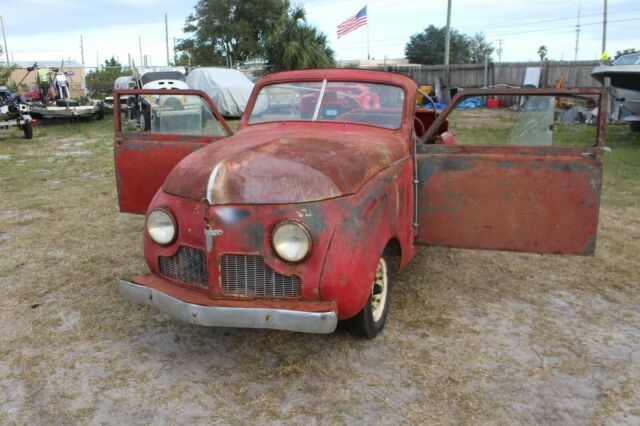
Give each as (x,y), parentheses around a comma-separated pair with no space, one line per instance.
(576,74)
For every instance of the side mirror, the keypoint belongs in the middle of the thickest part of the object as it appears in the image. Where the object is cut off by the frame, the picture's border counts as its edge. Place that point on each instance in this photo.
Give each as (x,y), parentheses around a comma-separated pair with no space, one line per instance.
(131,85)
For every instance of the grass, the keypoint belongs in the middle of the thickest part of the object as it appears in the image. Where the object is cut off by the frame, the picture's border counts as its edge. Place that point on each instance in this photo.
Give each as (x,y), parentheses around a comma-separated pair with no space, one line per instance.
(473,337)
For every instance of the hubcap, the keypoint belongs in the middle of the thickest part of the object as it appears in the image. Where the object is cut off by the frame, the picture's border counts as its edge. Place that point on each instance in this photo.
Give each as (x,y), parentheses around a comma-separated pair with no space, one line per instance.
(379,290)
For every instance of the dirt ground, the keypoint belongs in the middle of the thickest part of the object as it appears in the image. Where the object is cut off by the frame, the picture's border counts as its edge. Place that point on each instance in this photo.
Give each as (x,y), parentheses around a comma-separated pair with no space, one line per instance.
(472,338)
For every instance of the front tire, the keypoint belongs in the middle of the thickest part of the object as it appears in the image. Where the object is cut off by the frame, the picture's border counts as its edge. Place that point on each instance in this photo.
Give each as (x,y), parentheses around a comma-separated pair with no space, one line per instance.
(28,131)
(370,321)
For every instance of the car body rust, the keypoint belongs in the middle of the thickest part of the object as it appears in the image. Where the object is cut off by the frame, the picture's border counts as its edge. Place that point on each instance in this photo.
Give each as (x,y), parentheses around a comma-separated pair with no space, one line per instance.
(358,189)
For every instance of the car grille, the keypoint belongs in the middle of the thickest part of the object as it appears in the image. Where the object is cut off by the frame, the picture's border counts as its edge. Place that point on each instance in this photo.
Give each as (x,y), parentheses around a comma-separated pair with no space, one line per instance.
(248,275)
(188,265)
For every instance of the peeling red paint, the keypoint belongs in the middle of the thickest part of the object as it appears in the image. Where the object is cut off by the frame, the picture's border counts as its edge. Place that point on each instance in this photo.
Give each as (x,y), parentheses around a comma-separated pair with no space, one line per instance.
(354,188)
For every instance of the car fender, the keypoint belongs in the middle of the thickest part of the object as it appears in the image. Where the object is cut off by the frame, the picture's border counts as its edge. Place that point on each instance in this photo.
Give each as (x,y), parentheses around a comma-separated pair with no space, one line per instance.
(378,213)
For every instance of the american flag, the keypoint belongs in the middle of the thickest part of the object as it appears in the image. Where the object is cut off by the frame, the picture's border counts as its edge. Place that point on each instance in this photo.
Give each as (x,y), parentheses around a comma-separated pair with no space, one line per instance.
(355,22)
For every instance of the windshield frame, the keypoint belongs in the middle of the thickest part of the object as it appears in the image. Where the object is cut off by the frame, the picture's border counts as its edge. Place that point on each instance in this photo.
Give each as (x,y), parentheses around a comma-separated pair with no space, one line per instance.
(623,57)
(323,82)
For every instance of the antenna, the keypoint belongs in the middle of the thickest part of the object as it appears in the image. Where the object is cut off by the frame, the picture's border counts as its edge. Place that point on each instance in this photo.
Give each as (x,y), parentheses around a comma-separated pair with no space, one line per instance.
(578,31)
(499,51)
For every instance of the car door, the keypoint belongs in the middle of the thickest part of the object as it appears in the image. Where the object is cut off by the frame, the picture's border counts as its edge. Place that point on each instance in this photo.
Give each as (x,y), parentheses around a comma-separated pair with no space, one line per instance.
(179,122)
(526,195)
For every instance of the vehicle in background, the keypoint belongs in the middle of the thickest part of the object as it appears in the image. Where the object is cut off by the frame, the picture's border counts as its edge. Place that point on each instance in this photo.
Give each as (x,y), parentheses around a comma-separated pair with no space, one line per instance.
(151,78)
(55,97)
(122,83)
(625,81)
(229,89)
(14,112)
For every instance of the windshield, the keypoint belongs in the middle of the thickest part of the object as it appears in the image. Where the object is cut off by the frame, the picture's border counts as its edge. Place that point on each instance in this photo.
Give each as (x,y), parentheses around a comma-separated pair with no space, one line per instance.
(628,59)
(345,102)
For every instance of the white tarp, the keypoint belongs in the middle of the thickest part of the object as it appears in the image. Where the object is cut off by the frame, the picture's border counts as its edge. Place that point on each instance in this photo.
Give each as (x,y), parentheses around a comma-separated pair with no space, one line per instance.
(122,82)
(228,89)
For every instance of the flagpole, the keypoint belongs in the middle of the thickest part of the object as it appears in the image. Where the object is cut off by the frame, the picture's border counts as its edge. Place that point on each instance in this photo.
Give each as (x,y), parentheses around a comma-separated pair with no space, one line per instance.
(368,55)
(367,12)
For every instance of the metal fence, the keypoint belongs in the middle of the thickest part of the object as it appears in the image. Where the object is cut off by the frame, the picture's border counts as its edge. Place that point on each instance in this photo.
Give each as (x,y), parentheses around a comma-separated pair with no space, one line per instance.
(576,74)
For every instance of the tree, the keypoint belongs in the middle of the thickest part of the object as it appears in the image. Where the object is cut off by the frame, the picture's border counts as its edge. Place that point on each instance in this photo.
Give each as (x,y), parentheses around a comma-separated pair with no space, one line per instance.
(5,72)
(427,47)
(542,52)
(626,52)
(100,80)
(231,31)
(298,45)
(479,48)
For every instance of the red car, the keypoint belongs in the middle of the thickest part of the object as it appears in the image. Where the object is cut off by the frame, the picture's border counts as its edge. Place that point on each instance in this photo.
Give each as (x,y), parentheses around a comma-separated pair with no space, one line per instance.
(299,220)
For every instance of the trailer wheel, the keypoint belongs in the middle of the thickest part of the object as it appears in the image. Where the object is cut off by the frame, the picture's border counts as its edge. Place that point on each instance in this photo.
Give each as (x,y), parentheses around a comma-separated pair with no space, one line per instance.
(28,131)
(145,120)
(371,319)
(100,113)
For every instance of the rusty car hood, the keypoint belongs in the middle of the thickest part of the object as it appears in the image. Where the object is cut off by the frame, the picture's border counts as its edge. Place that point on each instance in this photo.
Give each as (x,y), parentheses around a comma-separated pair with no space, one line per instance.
(282,163)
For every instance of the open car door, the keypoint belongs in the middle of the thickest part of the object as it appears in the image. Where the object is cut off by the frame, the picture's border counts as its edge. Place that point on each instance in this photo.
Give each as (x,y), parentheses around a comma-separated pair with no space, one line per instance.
(156,130)
(529,194)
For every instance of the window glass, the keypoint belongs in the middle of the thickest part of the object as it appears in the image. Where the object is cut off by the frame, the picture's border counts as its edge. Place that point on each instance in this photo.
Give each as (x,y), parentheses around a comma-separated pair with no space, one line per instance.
(345,102)
(170,113)
(525,121)
(628,60)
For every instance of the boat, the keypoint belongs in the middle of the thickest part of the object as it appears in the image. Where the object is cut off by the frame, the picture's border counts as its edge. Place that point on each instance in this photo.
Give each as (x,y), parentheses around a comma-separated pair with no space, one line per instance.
(624,75)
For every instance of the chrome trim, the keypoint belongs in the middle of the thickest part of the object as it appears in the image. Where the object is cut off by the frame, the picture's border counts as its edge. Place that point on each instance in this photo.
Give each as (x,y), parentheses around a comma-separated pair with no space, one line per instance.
(211,182)
(214,316)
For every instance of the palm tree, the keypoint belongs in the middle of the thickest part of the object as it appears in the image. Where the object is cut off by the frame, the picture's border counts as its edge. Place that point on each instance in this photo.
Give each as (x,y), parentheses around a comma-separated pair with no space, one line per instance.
(299,45)
(542,52)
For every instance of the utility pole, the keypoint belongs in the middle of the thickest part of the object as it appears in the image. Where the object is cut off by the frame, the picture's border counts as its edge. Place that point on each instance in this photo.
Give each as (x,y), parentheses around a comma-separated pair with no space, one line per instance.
(6,50)
(499,52)
(97,60)
(175,57)
(129,54)
(166,36)
(447,43)
(82,51)
(575,58)
(140,46)
(604,29)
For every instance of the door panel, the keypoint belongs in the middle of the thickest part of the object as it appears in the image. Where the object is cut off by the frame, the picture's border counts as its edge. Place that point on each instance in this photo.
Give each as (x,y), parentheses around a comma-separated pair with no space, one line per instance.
(539,199)
(179,123)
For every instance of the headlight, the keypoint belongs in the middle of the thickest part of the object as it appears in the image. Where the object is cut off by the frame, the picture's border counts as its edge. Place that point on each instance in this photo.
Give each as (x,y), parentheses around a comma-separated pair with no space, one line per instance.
(161,227)
(291,241)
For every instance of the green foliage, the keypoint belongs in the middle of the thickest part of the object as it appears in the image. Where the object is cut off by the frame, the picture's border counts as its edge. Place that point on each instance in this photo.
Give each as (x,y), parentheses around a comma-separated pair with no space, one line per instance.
(5,73)
(542,52)
(230,32)
(626,52)
(298,45)
(427,47)
(100,81)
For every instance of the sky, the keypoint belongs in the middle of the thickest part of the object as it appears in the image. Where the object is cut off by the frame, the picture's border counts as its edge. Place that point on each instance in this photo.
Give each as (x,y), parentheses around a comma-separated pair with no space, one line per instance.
(46,30)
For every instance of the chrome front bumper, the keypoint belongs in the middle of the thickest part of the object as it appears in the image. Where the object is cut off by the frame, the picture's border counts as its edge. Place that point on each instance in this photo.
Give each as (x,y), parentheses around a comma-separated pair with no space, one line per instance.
(215,316)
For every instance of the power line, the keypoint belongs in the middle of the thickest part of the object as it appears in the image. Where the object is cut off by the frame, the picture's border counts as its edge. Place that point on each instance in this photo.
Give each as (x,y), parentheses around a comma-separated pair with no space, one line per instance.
(510,33)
